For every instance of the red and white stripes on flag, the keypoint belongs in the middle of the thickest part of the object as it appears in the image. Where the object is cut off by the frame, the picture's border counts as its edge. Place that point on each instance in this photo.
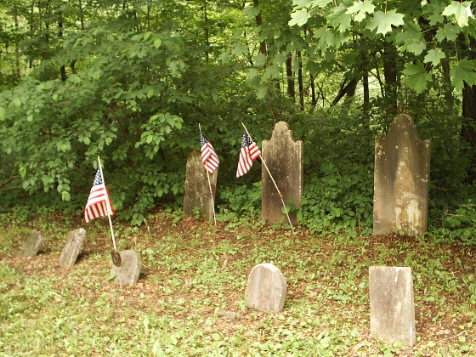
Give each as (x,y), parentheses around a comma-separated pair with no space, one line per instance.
(209,157)
(249,152)
(99,203)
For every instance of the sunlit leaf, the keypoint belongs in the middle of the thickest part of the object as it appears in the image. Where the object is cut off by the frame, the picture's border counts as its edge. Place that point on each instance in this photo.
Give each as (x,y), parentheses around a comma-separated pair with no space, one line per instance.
(299,17)
(460,11)
(434,56)
(361,9)
(416,77)
(383,21)
(463,72)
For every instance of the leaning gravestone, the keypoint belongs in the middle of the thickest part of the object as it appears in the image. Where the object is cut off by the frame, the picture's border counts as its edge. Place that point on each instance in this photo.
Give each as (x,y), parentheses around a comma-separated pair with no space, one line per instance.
(283,157)
(401,180)
(266,289)
(129,271)
(72,247)
(197,188)
(32,245)
(392,308)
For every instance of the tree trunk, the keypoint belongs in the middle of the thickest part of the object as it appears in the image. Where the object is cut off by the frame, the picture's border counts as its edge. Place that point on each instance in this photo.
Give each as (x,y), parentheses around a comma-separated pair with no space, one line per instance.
(259,22)
(346,88)
(60,35)
(313,91)
(390,73)
(290,76)
(300,82)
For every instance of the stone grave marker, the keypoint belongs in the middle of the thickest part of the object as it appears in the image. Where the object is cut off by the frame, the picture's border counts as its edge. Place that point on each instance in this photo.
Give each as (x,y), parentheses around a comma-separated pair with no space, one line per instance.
(266,289)
(401,180)
(72,247)
(32,245)
(197,190)
(129,271)
(392,307)
(283,157)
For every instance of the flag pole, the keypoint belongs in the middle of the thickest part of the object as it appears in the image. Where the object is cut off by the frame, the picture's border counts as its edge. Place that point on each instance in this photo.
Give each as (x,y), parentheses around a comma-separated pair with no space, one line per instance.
(108,205)
(274,182)
(212,198)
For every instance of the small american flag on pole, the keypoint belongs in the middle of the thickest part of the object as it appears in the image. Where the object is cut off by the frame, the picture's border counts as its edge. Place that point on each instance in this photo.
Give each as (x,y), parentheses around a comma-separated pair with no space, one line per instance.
(99,203)
(249,152)
(209,157)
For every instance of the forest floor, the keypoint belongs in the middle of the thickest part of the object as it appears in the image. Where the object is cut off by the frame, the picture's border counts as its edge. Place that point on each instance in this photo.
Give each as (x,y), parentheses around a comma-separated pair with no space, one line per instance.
(192,269)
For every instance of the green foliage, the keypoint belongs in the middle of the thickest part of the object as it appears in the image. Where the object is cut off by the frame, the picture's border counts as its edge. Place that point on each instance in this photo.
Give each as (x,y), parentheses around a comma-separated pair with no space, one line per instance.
(338,199)
(242,201)
(459,225)
(174,312)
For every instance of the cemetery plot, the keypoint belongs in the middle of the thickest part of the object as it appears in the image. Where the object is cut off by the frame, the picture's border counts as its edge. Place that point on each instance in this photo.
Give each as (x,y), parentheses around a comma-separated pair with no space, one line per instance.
(190,295)
(392,307)
(283,157)
(129,271)
(266,288)
(197,196)
(72,247)
(32,245)
(401,180)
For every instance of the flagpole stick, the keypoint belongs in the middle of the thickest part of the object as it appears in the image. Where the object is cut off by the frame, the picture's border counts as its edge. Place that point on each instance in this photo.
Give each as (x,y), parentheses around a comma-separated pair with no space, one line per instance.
(108,205)
(212,199)
(275,184)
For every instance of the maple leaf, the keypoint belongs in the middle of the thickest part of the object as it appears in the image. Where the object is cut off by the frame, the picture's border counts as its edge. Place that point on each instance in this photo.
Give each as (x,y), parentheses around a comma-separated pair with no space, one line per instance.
(463,72)
(434,56)
(416,77)
(383,21)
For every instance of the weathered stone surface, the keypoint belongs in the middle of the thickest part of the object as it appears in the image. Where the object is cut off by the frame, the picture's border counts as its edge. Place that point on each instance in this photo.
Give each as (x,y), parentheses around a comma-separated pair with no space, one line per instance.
(72,247)
(197,189)
(266,289)
(401,180)
(32,245)
(283,157)
(392,308)
(128,273)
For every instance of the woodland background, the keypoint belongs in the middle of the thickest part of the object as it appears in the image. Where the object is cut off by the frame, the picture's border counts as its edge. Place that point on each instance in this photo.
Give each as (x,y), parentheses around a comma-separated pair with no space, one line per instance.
(130,81)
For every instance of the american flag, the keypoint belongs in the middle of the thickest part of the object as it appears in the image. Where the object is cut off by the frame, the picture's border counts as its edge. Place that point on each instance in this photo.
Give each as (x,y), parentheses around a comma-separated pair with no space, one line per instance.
(209,157)
(99,203)
(249,152)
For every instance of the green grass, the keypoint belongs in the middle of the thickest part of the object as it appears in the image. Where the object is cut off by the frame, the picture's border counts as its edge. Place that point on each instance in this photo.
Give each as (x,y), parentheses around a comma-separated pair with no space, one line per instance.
(192,269)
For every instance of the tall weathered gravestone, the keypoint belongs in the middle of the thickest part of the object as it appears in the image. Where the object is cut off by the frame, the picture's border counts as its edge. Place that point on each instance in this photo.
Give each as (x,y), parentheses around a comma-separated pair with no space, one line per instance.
(32,245)
(283,157)
(401,180)
(129,271)
(71,249)
(392,308)
(266,289)
(197,188)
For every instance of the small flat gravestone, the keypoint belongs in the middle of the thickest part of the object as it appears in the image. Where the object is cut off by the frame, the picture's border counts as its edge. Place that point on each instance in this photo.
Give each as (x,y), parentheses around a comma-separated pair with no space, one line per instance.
(197,188)
(32,245)
(266,289)
(72,247)
(129,271)
(392,307)
(283,157)
(401,180)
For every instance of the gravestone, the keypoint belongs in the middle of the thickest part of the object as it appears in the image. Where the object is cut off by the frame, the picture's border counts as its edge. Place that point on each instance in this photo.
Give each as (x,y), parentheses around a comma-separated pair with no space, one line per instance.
(129,271)
(71,249)
(283,157)
(32,245)
(392,308)
(401,180)
(266,289)
(197,188)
